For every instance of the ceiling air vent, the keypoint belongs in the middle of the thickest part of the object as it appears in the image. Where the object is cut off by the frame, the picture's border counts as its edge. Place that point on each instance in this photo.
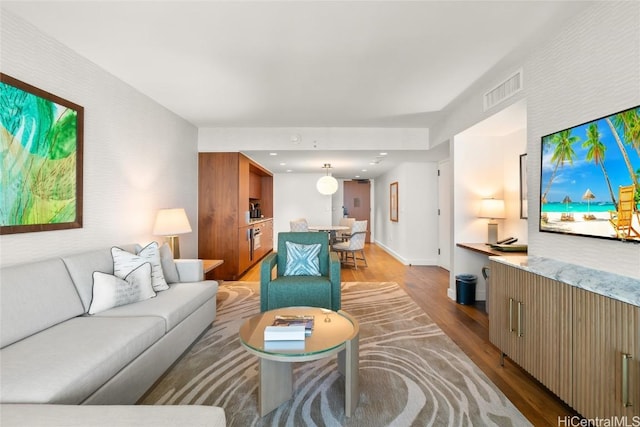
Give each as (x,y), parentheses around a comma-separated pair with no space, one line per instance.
(505,90)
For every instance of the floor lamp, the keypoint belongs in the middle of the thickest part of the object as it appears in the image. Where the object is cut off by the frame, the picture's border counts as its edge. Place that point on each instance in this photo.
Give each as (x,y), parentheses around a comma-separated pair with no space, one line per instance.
(170,223)
(492,209)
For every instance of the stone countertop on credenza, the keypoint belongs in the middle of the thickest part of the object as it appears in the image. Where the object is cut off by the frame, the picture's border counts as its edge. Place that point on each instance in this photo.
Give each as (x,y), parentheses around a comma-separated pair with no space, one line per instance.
(621,288)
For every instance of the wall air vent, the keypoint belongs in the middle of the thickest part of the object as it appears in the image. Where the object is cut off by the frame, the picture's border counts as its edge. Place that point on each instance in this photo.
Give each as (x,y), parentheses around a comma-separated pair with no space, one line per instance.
(503,91)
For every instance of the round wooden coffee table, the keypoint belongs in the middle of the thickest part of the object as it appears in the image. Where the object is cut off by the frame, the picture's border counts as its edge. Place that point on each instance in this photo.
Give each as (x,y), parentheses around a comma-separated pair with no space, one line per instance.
(333,333)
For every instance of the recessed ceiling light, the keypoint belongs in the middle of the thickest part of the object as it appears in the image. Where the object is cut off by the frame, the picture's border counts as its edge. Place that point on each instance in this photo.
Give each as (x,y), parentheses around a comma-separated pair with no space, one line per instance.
(383,154)
(372,163)
(357,176)
(289,170)
(273,154)
(283,164)
(364,170)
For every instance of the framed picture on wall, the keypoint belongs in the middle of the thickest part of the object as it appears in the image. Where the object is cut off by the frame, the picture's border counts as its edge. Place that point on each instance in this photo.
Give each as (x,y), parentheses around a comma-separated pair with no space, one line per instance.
(41,141)
(523,186)
(393,201)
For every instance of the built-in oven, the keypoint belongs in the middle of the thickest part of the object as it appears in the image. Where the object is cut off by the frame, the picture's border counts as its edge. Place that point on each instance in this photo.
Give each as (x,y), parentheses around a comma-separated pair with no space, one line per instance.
(257,233)
(254,244)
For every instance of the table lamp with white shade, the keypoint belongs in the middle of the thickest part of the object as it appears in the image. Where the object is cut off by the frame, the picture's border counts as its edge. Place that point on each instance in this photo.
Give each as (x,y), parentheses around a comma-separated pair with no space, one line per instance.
(170,223)
(492,209)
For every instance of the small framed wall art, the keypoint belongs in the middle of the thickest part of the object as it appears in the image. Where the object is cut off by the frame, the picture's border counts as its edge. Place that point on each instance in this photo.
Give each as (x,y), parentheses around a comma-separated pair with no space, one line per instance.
(41,138)
(393,201)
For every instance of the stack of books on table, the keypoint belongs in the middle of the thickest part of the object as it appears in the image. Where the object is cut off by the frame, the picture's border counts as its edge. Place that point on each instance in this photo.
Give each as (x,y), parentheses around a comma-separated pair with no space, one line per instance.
(289,328)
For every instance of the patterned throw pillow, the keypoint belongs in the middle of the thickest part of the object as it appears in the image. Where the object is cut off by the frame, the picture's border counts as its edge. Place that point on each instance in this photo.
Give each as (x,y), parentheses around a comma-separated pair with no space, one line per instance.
(124,262)
(111,291)
(302,260)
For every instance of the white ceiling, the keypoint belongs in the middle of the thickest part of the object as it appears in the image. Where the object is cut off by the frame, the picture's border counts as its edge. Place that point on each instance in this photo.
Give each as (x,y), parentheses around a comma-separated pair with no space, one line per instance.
(298,63)
(348,164)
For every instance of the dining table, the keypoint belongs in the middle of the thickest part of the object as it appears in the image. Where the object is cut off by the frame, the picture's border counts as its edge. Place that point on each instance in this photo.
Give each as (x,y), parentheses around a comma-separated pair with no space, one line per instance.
(331,229)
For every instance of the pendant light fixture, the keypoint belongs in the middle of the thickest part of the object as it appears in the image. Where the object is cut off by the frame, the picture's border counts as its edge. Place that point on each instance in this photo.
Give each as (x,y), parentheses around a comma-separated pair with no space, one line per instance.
(327,185)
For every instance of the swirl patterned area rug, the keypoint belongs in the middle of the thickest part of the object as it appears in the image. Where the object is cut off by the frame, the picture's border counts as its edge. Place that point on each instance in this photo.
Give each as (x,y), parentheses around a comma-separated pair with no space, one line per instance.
(411,373)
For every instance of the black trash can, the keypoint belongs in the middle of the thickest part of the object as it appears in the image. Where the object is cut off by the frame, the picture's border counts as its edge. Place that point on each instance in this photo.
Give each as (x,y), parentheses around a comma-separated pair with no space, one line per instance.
(466,289)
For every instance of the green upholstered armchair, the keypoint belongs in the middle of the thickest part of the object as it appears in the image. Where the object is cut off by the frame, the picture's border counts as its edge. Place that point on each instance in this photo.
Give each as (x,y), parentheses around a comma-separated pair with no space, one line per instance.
(310,291)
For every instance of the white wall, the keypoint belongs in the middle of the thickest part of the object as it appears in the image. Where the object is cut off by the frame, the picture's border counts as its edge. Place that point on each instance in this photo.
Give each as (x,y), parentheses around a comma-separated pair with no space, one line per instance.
(585,70)
(295,196)
(414,238)
(138,156)
(485,166)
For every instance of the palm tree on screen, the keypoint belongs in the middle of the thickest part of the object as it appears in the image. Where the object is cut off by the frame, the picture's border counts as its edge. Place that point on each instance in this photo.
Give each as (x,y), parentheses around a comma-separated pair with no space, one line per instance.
(562,143)
(629,122)
(623,151)
(596,152)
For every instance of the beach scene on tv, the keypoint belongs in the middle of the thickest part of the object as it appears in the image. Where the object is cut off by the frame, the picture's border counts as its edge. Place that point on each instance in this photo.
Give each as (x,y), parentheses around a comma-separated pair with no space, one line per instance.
(590,178)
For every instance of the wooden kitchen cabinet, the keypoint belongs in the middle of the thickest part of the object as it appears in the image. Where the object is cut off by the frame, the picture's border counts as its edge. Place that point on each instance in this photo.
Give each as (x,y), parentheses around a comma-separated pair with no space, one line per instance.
(606,337)
(255,186)
(224,197)
(244,248)
(267,239)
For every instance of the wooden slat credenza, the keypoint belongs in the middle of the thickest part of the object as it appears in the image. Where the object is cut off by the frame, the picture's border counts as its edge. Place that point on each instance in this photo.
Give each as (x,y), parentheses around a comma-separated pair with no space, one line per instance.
(583,346)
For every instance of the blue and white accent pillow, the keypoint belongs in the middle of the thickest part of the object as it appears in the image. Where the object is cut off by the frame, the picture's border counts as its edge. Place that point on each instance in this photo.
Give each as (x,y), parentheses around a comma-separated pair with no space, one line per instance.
(124,262)
(302,260)
(111,291)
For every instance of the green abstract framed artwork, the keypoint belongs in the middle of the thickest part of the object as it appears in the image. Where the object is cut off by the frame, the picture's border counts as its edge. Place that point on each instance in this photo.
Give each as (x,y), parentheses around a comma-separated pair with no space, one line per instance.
(41,148)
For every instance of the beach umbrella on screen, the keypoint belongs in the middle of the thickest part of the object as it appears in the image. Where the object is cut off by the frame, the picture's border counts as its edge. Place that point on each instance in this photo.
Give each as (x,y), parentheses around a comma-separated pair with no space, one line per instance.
(566,201)
(588,196)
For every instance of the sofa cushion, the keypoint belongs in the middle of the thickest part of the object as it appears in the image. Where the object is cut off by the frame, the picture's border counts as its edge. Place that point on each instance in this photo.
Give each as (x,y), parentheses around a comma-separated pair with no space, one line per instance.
(289,291)
(173,305)
(68,362)
(124,262)
(110,291)
(33,297)
(81,267)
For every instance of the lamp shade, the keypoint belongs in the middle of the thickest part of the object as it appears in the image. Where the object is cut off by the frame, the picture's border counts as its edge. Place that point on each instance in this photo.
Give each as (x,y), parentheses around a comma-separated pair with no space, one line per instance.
(327,185)
(170,222)
(491,208)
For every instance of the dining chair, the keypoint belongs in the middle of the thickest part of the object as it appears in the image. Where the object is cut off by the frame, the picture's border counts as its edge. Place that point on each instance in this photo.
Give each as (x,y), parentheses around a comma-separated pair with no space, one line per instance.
(354,245)
(345,234)
(299,225)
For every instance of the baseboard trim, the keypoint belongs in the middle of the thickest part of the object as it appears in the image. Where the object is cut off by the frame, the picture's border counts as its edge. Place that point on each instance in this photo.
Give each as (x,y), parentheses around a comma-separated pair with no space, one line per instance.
(405,261)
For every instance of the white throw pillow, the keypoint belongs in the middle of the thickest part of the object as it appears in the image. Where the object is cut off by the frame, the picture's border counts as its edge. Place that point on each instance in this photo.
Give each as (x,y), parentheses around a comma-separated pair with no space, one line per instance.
(111,291)
(124,262)
(168,264)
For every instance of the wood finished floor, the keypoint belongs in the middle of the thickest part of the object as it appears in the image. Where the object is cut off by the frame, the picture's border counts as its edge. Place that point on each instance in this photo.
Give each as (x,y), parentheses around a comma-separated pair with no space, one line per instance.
(468,327)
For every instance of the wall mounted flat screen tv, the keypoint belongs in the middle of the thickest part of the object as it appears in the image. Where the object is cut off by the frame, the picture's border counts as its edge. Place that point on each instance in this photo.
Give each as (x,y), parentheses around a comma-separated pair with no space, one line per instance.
(590,176)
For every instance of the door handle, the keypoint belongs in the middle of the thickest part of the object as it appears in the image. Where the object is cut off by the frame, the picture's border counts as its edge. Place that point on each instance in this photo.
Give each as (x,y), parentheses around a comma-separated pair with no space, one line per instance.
(511,315)
(625,380)
(520,329)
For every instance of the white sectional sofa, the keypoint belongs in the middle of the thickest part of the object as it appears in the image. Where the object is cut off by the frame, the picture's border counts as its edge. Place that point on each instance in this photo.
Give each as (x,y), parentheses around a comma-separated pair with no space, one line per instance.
(53,352)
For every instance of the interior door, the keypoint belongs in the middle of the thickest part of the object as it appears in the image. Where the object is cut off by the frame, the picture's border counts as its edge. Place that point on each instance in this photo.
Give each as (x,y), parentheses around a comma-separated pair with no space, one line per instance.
(357,202)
